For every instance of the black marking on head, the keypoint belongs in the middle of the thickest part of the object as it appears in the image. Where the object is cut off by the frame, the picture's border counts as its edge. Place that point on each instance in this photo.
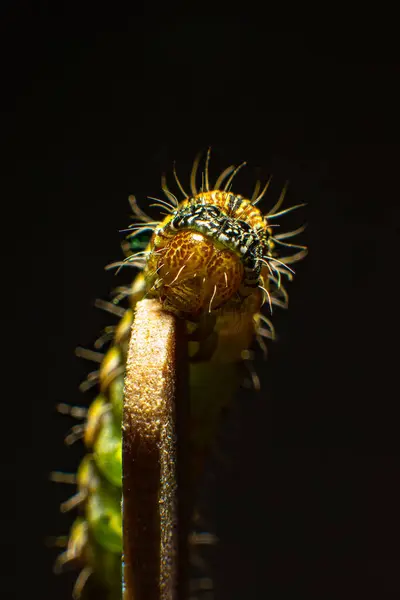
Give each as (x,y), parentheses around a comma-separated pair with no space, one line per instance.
(234,203)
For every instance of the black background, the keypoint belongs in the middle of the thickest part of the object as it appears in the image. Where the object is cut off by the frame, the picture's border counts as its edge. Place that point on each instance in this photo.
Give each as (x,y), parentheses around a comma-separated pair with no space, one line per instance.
(96,109)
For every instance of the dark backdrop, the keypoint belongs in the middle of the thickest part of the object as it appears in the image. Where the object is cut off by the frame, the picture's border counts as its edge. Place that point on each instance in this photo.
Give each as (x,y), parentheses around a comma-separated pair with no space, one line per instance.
(308,504)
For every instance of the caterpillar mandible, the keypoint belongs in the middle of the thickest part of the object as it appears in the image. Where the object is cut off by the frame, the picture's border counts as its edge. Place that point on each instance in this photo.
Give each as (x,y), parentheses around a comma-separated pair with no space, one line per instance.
(214,261)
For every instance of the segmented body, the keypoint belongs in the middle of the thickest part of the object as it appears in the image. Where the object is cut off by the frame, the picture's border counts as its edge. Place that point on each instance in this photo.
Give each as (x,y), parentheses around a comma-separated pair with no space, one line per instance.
(212,261)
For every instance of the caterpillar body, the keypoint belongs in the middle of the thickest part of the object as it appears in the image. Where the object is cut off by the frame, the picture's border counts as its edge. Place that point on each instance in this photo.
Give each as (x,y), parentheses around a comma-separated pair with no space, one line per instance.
(212,261)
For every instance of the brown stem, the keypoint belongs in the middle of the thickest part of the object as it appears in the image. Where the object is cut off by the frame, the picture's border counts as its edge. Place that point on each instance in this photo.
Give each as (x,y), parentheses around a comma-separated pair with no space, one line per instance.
(155,407)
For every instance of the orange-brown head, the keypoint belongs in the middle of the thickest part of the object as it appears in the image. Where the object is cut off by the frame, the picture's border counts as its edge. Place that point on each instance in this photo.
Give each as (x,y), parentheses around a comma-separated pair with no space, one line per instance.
(195,276)
(204,258)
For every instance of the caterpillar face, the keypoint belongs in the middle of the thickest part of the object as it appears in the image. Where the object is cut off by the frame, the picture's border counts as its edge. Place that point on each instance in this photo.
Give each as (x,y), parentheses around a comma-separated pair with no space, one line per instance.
(194,276)
(206,256)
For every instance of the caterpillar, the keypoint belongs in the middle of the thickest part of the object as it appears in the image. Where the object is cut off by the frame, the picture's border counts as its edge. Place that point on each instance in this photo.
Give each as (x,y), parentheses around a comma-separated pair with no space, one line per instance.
(215,262)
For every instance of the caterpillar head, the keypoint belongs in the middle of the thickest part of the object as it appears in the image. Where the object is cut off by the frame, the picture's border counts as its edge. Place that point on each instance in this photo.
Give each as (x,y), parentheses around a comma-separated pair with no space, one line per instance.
(214,252)
(191,274)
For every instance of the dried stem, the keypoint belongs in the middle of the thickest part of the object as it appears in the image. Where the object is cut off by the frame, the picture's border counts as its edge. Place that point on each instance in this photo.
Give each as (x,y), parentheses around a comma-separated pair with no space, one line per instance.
(154,522)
